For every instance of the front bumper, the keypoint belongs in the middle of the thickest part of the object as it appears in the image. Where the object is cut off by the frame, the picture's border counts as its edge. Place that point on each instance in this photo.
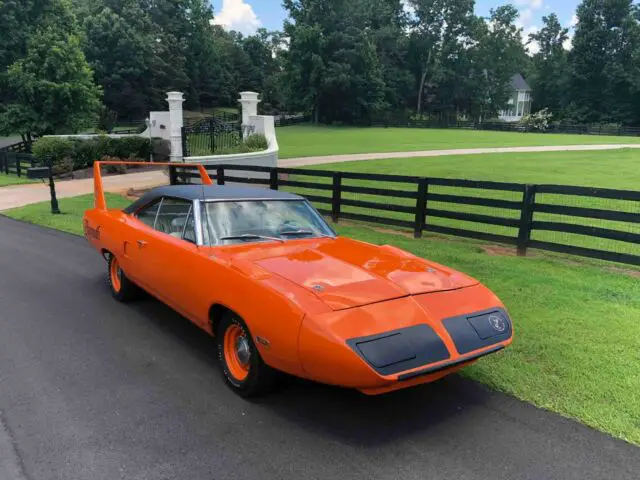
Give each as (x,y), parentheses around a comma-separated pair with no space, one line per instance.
(435,334)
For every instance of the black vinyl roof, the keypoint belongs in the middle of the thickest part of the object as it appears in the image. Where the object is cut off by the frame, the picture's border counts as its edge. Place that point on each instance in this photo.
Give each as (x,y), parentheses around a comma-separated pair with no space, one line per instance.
(210,192)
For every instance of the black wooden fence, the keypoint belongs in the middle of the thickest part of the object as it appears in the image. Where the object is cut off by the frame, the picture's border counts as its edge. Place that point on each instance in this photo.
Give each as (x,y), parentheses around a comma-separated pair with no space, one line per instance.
(591,222)
(14,163)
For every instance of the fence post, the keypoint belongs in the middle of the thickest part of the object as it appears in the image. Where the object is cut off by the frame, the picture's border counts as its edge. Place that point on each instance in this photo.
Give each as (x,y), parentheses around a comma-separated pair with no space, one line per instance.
(273,179)
(185,142)
(18,167)
(173,177)
(220,175)
(526,218)
(212,128)
(336,196)
(421,207)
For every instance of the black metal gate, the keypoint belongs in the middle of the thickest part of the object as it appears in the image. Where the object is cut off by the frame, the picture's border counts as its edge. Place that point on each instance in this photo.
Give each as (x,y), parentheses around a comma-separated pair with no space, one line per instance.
(219,133)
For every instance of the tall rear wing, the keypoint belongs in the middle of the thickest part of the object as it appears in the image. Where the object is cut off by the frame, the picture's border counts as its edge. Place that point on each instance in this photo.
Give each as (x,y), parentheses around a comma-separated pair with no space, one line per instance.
(98,190)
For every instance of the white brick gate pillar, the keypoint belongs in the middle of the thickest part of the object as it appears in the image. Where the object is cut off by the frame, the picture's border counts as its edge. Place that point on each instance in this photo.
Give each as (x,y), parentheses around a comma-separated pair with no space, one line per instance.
(249,102)
(175,100)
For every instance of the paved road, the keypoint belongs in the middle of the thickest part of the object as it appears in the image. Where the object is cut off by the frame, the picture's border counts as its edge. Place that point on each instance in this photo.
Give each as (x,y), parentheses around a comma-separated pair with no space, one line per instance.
(93,389)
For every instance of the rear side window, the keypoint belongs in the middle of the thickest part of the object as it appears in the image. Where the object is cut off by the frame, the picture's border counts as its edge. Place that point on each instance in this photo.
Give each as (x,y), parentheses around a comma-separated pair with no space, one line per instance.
(148,214)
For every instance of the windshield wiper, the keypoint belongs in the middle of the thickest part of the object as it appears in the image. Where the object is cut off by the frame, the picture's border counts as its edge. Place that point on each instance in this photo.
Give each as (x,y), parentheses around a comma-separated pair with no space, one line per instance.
(251,236)
(303,231)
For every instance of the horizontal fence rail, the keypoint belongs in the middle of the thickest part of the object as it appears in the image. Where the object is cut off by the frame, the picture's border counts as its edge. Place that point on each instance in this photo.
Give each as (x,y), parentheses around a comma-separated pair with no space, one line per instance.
(14,163)
(591,222)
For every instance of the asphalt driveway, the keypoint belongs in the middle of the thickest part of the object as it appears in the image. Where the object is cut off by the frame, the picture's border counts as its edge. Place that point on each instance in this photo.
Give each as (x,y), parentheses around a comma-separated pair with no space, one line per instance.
(93,389)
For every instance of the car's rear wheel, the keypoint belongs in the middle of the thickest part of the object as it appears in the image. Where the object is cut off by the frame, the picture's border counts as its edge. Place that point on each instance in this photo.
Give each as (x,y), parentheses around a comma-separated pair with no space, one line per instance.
(244,370)
(121,287)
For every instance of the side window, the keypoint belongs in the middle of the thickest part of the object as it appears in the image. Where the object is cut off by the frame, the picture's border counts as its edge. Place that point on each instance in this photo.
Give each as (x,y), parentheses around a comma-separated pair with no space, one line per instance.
(173,218)
(190,228)
(148,214)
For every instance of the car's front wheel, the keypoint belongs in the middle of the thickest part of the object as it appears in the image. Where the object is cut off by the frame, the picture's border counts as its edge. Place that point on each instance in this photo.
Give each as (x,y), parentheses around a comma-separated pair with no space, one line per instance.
(243,369)
(121,287)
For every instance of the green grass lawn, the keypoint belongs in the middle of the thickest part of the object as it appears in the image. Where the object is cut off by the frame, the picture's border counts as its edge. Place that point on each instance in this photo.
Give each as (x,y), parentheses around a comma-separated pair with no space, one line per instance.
(577,323)
(70,220)
(306,141)
(13,180)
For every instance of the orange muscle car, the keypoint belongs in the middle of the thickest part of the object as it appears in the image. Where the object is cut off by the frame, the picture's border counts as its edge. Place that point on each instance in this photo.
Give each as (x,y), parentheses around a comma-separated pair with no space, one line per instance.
(262,272)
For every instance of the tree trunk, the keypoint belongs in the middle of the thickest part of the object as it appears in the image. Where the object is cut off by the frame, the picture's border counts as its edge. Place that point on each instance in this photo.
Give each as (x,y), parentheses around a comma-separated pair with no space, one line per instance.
(423,79)
(420,89)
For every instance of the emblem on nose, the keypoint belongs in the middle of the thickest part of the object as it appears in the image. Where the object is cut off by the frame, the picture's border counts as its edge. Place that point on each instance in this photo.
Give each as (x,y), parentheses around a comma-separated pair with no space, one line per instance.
(498,323)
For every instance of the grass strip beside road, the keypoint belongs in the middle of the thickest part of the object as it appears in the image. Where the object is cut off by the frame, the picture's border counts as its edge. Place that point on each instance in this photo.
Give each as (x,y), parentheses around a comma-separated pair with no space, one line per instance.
(577,322)
(6,180)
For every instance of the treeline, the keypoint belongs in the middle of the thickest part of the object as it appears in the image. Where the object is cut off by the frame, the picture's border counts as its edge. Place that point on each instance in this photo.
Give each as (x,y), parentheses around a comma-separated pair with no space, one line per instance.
(66,61)
(351,60)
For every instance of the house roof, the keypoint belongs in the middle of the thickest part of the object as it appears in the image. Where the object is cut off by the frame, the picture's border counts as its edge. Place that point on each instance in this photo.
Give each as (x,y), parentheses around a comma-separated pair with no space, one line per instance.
(519,83)
(210,193)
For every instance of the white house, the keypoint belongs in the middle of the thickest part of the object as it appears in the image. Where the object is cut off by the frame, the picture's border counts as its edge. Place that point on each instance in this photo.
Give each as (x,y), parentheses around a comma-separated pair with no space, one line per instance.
(519,105)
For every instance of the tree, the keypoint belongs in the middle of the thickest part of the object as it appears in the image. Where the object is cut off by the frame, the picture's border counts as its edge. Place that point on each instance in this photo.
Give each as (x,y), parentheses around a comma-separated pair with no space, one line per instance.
(440,38)
(332,65)
(549,66)
(119,56)
(51,88)
(603,62)
(500,53)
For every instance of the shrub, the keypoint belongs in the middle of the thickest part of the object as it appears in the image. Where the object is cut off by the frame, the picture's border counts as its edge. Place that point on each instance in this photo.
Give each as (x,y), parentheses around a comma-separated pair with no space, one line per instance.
(537,122)
(133,146)
(161,149)
(85,152)
(256,141)
(53,149)
(62,166)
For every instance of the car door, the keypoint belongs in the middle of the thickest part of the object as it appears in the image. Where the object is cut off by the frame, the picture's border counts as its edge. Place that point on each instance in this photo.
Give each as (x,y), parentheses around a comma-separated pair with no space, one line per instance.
(139,227)
(170,264)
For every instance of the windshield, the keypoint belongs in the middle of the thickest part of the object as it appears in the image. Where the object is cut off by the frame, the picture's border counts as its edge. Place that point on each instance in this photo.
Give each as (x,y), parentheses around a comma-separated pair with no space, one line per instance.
(232,222)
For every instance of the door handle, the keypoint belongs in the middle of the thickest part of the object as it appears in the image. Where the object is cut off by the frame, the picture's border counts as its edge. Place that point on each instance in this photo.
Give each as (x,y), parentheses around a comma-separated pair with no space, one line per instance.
(142,243)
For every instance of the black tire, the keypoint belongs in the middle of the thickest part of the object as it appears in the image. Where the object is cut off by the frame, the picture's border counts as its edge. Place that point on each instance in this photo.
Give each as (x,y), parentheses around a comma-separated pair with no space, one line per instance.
(122,289)
(260,378)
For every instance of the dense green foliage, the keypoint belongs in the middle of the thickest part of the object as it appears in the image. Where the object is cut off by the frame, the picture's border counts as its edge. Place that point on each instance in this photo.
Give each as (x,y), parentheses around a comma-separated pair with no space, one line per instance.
(71,154)
(344,61)
(46,85)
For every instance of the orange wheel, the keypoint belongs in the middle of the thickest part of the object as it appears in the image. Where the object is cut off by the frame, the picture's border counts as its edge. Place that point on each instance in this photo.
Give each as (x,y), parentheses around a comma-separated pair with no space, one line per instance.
(122,288)
(241,364)
(237,352)
(116,274)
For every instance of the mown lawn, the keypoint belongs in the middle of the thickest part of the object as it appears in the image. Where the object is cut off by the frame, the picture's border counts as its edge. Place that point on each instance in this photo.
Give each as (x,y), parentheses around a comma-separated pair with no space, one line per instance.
(307,141)
(577,323)
(13,180)
(70,220)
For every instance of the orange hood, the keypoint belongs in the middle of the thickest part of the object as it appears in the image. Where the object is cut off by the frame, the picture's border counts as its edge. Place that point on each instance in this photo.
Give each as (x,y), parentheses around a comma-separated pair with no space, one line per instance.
(345,273)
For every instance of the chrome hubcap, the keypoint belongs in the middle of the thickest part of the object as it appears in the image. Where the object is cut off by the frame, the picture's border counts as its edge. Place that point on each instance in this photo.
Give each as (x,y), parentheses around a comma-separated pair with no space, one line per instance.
(243,350)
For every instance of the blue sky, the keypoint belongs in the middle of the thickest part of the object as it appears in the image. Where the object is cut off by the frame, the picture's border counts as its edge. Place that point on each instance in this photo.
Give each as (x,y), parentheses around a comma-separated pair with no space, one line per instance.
(248,15)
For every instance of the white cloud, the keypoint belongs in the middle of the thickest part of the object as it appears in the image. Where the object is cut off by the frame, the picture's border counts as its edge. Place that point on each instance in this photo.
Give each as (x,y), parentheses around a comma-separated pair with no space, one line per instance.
(237,15)
(568,43)
(533,47)
(574,21)
(533,4)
